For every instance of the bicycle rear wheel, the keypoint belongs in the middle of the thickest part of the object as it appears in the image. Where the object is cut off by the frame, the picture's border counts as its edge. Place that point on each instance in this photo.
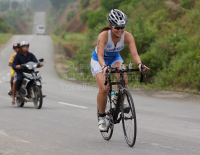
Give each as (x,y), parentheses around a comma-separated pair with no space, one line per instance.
(109,120)
(129,120)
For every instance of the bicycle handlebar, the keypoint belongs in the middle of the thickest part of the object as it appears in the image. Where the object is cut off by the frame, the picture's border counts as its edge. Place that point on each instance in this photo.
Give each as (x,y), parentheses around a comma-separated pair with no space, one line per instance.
(117,70)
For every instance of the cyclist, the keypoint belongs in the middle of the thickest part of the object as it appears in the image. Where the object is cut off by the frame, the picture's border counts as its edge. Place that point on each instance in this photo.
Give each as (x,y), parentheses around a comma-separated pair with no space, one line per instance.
(110,42)
(23,57)
(16,48)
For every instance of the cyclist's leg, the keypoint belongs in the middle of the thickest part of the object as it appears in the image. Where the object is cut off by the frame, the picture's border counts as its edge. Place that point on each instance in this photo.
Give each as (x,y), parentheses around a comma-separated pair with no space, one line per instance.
(103,90)
(19,82)
(14,88)
(11,82)
(117,63)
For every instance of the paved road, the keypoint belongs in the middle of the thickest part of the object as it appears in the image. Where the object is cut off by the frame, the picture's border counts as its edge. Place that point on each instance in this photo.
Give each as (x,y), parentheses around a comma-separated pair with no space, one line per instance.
(165,127)
(39,19)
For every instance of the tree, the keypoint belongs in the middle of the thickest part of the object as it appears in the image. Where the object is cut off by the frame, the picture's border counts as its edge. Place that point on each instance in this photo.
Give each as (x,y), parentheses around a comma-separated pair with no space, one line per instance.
(15,4)
(70,15)
(96,17)
(110,4)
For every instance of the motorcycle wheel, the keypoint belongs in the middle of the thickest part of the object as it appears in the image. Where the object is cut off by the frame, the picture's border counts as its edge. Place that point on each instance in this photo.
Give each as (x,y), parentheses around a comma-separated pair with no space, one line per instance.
(19,103)
(38,97)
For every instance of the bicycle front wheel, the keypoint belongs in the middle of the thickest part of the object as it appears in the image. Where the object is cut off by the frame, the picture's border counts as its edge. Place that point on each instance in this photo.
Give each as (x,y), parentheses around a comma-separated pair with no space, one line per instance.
(129,119)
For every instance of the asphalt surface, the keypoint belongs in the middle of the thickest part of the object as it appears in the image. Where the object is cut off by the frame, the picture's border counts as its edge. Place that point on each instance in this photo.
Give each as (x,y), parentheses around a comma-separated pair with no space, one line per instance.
(67,124)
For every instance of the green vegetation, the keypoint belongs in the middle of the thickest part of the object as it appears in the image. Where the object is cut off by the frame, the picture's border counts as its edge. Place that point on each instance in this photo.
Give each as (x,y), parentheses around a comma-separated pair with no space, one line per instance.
(70,15)
(71,39)
(15,18)
(57,4)
(167,36)
(4,27)
(5,37)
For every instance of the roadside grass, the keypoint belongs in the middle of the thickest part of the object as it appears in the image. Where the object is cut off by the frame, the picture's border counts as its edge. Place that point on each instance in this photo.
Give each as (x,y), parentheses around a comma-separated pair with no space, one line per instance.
(74,73)
(71,39)
(57,39)
(4,37)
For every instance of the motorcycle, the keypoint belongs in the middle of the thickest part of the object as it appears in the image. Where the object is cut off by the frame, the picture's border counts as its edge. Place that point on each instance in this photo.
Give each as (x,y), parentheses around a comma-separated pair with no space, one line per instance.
(31,88)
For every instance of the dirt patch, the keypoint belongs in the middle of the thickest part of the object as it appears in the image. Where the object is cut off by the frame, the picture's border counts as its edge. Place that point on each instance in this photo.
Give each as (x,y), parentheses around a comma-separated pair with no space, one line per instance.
(75,25)
(21,26)
(173,6)
(62,19)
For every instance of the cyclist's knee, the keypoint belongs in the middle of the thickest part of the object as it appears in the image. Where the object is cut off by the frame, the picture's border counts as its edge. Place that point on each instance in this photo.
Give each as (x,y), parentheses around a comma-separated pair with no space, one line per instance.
(103,90)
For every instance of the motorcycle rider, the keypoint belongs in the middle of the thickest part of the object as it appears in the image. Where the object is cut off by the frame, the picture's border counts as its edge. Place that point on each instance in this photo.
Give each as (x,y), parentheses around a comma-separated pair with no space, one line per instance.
(21,58)
(16,48)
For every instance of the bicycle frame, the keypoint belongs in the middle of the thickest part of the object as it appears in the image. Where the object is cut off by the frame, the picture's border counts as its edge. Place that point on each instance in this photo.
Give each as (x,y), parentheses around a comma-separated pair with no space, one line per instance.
(116,111)
(121,83)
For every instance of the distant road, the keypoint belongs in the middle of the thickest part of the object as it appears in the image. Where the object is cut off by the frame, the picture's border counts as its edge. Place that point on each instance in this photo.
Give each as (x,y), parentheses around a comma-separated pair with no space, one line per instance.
(39,19)
(67,123)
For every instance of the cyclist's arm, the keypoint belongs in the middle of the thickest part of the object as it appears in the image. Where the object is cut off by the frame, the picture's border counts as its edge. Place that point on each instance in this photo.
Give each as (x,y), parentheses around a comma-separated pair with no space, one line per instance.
(100,47)
(129,39)
(10,61)
(34,59)
(16,62)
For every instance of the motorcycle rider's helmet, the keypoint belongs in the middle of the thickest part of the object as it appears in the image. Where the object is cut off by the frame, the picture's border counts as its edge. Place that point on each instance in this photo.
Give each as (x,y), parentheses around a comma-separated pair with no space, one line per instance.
(16,45)
(24,43)
(117,18)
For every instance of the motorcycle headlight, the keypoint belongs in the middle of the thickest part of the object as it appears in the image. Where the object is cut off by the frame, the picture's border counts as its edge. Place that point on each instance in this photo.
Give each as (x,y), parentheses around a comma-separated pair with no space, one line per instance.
(29,67)
(35,66)
(29,76)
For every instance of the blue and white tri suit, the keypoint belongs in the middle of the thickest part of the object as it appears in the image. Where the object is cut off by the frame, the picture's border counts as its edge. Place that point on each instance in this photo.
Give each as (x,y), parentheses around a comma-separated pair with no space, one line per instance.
(111,54)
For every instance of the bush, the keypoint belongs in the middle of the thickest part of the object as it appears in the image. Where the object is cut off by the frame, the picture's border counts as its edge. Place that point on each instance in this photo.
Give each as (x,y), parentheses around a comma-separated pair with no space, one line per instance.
(96,17)
(58,29)
(183,70)
(110,4)
(4,27)
(84,3)
(70,15)
(144,36)
(84,15)
(188,4)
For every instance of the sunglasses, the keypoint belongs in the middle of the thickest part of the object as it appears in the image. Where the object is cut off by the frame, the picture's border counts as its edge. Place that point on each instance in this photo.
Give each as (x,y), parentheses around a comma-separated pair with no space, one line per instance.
(119,28)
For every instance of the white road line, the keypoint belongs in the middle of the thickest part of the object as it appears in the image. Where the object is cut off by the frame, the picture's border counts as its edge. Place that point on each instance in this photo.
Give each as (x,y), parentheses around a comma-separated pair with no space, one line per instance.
(0,81)
(8,73)
(2,133)
(73,105)
(23,141)
(3,77)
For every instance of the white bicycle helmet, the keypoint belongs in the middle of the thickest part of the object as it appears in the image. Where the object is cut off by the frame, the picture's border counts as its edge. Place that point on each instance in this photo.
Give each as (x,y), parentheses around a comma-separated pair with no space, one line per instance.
(117,18)
(24,43)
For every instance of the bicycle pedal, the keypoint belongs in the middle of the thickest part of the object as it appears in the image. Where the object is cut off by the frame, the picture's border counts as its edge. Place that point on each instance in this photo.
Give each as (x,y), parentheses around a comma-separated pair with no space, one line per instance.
(127,110)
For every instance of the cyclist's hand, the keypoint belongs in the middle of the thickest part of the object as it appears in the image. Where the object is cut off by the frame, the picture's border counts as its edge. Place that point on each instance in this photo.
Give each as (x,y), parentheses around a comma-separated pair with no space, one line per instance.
(41,64)
(144,67)
(104,70)
(18,66)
